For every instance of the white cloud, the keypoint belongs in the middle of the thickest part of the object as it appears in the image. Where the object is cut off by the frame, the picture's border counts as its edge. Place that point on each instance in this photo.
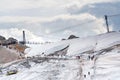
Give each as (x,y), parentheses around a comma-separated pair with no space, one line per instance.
(7,19)
(17,33)
(69,32)
(28,4)
(47,25)
(80,3)
(42,24)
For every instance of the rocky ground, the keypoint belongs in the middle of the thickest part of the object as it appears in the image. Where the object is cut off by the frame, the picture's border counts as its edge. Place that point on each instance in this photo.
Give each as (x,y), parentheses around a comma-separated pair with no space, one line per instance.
(7,55)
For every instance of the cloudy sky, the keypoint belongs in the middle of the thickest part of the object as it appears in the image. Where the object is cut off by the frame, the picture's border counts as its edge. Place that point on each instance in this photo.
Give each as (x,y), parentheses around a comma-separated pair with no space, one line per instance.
(56,19)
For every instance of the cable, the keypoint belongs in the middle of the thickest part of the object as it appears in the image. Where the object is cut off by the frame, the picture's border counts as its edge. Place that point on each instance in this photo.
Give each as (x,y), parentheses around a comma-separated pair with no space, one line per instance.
(114,15)
(46,36)
(73,26)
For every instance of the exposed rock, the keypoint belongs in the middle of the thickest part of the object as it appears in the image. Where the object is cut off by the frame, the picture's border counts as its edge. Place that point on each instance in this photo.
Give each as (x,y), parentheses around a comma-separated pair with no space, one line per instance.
(2,38)
(72,37)
(61,52)
(11,41)
(63,39)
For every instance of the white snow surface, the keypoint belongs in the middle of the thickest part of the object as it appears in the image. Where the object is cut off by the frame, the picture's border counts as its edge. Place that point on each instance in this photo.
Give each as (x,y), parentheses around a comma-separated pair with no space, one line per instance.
(78,45)
(104,67)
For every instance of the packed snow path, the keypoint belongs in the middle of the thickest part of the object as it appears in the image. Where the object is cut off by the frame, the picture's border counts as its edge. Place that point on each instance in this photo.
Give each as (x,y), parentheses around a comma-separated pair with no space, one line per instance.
(101,67)
(52,70)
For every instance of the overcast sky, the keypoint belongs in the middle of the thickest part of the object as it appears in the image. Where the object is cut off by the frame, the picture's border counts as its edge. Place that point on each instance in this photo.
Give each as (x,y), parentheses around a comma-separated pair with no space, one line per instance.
(56,19)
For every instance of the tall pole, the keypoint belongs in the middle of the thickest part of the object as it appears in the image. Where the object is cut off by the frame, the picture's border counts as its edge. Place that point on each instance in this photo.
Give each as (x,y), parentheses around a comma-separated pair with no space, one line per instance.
(106,19)
(24,40)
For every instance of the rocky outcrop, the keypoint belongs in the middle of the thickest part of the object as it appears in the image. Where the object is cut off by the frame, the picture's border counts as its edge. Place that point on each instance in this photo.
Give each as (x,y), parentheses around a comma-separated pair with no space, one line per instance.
(10,50)
(2,38)
(11,41)
(61,52)
(72,37)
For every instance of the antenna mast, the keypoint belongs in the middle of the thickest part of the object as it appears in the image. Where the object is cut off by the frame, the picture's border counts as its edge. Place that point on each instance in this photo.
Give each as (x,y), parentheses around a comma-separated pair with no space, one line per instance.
(24,40)
(106,19)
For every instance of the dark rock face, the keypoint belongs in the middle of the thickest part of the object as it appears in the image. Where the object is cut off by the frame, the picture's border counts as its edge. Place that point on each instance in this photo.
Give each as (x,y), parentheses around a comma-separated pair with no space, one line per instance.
(61,52)
(11,40)
(72,37)
(2,38)
(5,42)
(63,39)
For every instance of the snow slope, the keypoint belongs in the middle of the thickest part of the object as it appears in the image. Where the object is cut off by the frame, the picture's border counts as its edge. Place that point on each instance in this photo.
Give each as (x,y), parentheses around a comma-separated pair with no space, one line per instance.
(79,45)
(104,65)
(108,66)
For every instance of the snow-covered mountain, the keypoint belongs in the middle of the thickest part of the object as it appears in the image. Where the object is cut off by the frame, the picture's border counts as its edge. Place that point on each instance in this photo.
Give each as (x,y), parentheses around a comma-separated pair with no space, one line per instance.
(99,60)
(78,45)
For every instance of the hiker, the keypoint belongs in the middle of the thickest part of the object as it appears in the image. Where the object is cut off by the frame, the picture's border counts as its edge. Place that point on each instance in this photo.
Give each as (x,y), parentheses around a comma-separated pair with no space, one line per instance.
(84,76)
(88,73)
(78,57)
(43,53)
(92,57)
(89,57)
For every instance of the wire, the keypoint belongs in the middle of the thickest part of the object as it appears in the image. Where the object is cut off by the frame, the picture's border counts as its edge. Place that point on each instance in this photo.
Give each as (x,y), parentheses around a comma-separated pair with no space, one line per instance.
(73,26)
(69,27)
(114,15)
(46,36)
(90,21)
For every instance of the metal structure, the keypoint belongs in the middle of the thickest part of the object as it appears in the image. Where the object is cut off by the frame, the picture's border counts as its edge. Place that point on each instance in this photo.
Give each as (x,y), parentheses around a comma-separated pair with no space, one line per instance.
(24,39)
(106,19)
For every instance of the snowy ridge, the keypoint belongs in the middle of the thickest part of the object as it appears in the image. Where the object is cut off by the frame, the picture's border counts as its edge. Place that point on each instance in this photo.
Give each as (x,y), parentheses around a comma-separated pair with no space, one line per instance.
(79,45)
(99,60)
